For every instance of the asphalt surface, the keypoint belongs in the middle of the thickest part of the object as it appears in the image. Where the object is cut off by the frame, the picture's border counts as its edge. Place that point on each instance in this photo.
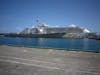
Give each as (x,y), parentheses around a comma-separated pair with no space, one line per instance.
(35,61)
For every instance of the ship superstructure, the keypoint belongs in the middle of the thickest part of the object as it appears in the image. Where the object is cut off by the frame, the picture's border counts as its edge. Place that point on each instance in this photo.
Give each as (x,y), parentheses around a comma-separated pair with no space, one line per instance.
(44,29)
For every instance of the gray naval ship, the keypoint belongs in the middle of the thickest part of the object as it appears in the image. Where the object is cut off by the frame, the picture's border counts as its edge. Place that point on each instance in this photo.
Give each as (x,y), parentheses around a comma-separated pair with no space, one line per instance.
(45,31)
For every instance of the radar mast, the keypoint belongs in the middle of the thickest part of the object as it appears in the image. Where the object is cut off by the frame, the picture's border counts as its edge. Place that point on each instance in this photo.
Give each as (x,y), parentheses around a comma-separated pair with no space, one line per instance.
(38,23)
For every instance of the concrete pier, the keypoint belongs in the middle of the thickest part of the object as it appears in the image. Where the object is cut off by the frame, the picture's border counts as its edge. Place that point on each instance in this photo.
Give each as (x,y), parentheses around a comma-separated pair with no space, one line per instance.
(35,61)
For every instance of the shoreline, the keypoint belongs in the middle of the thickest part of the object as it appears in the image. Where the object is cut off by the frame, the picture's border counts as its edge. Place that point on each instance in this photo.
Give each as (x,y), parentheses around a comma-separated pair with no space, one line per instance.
(60,49)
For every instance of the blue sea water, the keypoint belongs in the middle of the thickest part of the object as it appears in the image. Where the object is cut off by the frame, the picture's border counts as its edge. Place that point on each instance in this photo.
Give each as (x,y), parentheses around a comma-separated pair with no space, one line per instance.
(67,44)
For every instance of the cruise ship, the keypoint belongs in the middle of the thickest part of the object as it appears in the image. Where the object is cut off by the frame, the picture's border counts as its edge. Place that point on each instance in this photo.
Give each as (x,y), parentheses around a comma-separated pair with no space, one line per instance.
(45,31)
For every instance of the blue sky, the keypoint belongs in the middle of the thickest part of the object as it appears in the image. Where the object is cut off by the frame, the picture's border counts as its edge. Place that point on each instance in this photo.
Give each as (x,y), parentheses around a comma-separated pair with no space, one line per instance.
(15,15)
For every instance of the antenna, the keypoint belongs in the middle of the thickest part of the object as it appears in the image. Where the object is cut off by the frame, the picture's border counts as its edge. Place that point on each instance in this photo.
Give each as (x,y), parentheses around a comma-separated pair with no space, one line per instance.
(32,23)
(38,22)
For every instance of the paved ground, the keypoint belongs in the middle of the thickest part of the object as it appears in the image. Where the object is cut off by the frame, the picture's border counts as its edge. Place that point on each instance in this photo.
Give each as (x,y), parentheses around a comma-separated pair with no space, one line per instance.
(34,61)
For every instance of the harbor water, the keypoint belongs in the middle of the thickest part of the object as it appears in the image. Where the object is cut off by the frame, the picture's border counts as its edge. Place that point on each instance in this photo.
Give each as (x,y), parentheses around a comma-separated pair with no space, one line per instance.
(57,43)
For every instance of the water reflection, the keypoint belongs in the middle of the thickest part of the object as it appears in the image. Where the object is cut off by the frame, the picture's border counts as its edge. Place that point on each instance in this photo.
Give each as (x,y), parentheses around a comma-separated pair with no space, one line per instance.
(41,42)
(72,43)
(85,44)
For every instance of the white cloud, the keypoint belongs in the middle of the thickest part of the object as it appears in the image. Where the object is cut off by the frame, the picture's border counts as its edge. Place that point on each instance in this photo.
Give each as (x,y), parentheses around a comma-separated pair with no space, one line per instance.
(86,31)
(32,26)
(72,25)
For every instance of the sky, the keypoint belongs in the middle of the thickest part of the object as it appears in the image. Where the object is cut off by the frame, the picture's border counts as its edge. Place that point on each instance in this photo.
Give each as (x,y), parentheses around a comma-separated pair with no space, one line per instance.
(15,15)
